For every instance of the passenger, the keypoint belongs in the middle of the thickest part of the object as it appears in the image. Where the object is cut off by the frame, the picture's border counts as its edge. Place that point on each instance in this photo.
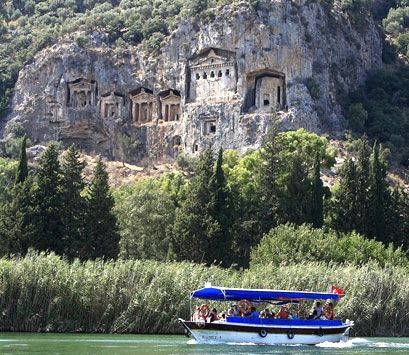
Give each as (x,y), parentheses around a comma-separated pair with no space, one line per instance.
(329,311)
(234,311)
(262,314)
(197,315)
(313,315)
(318,308)
(283,313)
(222,316)
(212,316)
(293,316)
(254,313)
(268,314)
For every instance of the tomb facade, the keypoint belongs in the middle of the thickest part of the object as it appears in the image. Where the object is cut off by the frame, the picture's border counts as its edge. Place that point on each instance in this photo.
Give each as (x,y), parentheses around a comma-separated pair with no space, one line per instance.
(111,105)
(213,75)
(170,106)
(82,93)
(142,105)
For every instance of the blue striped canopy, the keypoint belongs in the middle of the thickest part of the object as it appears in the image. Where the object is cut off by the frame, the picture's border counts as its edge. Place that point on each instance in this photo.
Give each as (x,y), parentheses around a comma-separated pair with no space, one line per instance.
(258,295)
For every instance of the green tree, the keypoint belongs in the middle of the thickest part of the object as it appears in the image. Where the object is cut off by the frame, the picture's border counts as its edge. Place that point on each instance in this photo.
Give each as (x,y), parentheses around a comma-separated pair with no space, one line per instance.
(195,229)
(318,192)
(363,201)
(269,175)
(144,218)
(22,169)
(380,197)
(73,203)
(222,210)
(16,220)
(243,183)
(102,231)
(47,224)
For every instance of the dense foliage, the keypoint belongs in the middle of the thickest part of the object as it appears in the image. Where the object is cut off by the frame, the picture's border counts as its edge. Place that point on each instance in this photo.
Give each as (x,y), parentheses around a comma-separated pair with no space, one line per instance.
(53,209)
(47,293)
(217,217)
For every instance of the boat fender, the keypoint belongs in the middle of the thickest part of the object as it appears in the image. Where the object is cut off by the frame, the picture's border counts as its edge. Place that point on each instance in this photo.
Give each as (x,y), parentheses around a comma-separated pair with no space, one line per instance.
(290,334)
(204,310)
(320,332)
(262,332)
(241,304)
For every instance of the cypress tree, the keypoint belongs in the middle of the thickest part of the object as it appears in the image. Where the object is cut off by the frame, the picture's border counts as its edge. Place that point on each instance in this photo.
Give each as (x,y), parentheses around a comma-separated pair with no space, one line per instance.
(364,188)
(73,203)
(269,173)
(22,169)
(47,224)
(221,210)
(15,217)
(102,227)
(195,229)
(344,209)
(316,210)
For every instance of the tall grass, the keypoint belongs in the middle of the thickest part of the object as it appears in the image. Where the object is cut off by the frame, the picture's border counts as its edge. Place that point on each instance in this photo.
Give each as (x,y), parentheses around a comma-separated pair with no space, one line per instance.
(46,293)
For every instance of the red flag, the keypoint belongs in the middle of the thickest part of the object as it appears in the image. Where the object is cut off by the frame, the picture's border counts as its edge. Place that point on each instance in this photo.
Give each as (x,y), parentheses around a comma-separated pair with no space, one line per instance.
(337,291)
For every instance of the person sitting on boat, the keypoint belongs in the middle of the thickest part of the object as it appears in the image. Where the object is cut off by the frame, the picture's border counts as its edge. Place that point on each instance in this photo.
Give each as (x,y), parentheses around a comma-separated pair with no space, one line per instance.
(292,315)
(319,310)
(329,311)
(262,314)
(234,311)
(283,313)
(254,313)
(313,315)
(222,316)
(267,313)
(212,316)
(197,315)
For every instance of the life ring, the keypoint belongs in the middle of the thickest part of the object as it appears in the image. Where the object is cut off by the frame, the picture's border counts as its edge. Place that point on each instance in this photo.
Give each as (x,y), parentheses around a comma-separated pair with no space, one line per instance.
(290,334)
(262,332)
(320,332)
(204,310)
(241,304)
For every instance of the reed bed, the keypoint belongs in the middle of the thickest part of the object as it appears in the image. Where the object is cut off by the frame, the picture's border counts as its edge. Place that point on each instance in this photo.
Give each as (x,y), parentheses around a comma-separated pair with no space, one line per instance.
(43,292)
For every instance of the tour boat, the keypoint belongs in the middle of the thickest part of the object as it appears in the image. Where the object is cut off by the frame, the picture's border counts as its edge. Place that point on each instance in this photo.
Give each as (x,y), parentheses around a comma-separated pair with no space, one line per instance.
(245,328)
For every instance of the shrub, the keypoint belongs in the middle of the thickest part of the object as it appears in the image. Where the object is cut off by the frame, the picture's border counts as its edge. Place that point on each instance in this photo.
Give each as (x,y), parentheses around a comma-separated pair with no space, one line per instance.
(287,244)
(81,41)
(313,87)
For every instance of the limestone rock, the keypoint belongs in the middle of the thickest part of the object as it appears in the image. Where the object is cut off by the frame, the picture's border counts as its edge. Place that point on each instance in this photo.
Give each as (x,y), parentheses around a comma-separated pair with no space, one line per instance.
(221,81)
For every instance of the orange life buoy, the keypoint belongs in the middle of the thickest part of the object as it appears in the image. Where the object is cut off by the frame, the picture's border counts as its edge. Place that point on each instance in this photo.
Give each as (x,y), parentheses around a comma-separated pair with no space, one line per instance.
(204,310)
(244,306)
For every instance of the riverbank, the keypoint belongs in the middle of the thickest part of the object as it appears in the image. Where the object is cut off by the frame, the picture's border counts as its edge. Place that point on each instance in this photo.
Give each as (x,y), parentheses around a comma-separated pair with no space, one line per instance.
(44,293)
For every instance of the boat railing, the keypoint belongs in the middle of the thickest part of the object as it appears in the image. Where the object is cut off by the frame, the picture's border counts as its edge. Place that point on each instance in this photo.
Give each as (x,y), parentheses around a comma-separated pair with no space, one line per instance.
(274,321)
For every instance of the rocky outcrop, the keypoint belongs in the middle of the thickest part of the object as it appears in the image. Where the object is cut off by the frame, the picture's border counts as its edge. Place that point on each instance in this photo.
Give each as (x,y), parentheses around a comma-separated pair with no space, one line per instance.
(221,79)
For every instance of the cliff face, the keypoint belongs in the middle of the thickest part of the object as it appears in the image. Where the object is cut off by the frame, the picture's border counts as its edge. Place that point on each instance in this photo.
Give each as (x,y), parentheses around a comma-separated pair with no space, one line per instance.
(222,79)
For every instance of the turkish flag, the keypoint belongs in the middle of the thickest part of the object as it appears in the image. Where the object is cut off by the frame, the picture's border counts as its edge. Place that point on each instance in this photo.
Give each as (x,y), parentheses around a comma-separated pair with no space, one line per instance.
(337,291)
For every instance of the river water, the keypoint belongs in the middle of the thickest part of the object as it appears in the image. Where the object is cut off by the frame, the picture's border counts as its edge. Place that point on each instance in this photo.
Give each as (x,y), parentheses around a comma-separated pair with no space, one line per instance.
(98,344)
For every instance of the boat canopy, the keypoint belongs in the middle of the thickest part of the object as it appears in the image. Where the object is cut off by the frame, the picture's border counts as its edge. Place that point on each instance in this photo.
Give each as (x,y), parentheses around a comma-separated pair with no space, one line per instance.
(259,295)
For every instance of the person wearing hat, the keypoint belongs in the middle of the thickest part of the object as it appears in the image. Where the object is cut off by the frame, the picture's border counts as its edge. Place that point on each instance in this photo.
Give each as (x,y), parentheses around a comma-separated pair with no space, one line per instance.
(234,311)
